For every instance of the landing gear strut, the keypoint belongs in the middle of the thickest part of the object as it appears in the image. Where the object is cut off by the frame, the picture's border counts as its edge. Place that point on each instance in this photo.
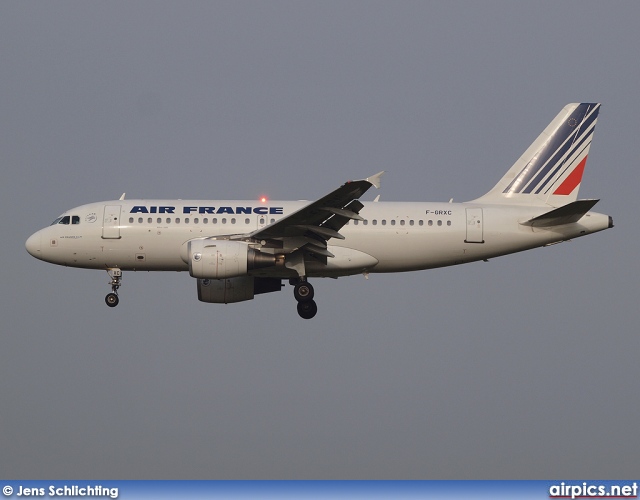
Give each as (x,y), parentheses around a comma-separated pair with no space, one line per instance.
(303,293)
(112,299)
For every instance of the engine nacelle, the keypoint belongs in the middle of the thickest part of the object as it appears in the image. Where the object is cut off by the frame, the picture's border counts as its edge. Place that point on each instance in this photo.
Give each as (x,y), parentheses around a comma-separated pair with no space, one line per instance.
(227,291)
(218,259)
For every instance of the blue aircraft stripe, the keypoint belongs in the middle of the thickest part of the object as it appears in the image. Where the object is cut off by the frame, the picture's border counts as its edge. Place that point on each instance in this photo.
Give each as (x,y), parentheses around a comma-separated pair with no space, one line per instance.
(564,164)
(580,155)
(555,160)
(551,152)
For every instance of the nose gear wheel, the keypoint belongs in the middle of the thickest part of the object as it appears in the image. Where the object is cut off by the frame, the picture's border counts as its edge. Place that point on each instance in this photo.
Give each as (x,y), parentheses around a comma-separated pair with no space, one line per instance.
(112,298)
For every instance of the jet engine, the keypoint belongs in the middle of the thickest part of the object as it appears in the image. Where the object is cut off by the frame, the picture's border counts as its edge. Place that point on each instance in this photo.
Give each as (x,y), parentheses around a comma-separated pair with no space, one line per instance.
(218,259)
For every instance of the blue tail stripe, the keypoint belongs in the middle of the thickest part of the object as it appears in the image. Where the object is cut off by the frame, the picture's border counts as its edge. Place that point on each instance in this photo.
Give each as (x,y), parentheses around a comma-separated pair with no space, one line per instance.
(567,167)
(563,165)
(555,163)
(550,154)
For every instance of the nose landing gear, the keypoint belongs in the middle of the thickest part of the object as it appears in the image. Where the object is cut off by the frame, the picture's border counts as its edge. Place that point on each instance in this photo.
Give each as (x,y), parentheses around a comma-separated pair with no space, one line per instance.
(112,299)
(303,293)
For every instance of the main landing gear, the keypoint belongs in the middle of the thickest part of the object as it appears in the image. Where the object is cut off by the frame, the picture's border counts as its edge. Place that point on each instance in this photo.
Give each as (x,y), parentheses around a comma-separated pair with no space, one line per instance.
(112,299)
(303,293)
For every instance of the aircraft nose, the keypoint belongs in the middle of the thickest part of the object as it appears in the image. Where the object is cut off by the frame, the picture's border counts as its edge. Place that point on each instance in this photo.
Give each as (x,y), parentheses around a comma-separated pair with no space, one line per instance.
(33,245)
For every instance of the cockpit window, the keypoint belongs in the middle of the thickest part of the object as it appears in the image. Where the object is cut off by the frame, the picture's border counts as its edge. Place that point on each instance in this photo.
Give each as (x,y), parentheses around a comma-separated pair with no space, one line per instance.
(67,219)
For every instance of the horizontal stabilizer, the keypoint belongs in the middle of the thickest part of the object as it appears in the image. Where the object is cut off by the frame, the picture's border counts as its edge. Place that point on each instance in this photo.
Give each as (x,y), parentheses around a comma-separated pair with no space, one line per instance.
(566,214)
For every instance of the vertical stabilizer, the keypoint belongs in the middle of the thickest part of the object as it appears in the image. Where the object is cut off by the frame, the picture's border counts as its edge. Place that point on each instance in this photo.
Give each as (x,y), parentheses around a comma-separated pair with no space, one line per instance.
(549,172)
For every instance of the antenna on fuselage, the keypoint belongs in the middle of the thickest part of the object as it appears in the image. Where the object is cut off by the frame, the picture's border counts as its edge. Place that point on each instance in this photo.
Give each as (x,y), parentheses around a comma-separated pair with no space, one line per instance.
(122,197)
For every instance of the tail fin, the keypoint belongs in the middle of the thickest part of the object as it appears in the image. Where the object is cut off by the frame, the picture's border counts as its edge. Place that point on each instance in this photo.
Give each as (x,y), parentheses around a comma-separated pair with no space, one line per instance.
(549,172)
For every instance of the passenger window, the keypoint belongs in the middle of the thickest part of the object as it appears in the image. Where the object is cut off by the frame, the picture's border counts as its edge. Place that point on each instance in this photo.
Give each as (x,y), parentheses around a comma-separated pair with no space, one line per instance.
(130,220)
(365,222)
(374,222)
(420,223)
(393,222)
(411,222)
(439,223)
(214,220)
(355,222)
(139,220)
(186,220)
(159,220)
(430,223)
(205,220)
(402,222)
(448,223)
(177,220)
(168,220)
(247,221)
(75,219)
(384,222)
(233,220)
(196,220)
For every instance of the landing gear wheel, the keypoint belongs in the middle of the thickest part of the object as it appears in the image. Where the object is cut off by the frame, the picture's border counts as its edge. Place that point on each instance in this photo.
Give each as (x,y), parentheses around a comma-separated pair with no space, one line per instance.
(303,292)
(116,281)
(308,309)
(112,299)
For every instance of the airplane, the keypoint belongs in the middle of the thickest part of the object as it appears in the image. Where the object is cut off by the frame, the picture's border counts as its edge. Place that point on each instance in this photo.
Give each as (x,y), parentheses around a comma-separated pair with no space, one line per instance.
(242,248)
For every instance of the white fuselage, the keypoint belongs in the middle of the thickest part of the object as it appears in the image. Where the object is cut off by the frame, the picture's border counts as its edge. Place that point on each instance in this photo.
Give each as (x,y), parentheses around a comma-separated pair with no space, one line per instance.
(150,235)
(239,249)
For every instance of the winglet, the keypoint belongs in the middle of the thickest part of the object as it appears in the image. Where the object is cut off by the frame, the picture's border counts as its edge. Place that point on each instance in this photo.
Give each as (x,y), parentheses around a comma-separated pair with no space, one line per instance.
(375,179)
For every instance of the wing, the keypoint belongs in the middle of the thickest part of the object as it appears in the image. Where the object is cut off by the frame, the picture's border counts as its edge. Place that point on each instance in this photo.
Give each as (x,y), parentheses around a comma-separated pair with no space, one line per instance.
(316,223)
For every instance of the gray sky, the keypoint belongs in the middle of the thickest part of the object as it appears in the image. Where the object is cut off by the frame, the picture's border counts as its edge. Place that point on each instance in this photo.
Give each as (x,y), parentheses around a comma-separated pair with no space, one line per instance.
(524,367)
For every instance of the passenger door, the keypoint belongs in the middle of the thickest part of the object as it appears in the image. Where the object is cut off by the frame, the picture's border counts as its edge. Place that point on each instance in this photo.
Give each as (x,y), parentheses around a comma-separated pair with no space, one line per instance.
(111,222)
(475,231)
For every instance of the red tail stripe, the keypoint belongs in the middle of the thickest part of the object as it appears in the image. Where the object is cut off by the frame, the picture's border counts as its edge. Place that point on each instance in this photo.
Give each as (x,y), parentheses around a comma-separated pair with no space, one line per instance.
(573,179)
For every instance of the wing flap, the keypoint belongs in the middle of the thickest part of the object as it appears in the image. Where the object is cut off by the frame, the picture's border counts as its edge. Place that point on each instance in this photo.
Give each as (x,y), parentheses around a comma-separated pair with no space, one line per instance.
(323,232)
(318,250)
(342,212)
